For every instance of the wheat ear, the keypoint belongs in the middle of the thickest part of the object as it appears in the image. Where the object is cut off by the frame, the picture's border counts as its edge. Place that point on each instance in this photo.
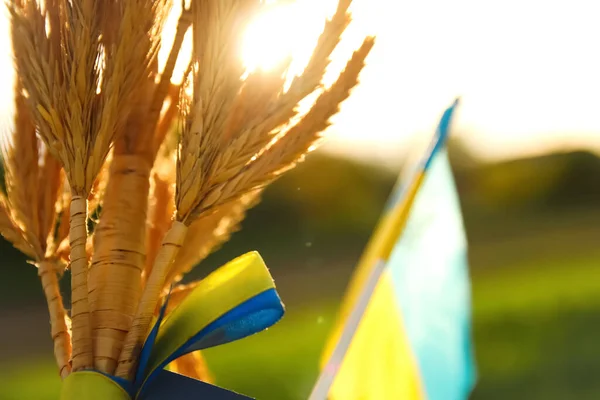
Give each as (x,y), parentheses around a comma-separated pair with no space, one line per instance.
(293,144)
(31,228)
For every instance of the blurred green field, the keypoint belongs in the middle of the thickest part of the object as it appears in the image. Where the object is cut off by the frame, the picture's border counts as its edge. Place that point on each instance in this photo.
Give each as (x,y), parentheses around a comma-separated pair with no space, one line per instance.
(534,339)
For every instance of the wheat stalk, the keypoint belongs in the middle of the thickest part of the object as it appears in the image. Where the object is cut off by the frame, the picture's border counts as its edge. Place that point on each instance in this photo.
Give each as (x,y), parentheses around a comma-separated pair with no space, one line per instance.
(30,226)
(119,246)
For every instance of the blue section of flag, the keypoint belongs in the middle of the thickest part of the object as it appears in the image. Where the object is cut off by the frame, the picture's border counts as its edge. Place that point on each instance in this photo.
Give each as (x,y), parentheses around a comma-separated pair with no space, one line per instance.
(439,141)
(430,276)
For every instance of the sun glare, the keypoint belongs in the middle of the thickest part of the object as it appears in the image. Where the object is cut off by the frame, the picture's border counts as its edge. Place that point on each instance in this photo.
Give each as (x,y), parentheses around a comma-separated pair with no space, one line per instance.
(286,29)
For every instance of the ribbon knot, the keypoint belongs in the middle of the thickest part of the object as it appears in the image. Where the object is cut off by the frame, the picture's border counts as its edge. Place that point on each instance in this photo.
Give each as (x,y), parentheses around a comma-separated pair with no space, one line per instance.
(237,300)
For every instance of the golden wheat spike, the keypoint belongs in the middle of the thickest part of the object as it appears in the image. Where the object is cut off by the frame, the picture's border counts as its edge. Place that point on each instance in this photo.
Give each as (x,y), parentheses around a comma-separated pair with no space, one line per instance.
(258,132)
(314,71)
(293,144)
(217,40)
(217,78)
(246,133)
(31,227)
(21,173)
(258,93)
(306,83)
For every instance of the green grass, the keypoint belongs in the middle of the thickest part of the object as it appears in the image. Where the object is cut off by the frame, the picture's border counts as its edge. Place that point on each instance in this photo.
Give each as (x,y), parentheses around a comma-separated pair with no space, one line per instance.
(535,329)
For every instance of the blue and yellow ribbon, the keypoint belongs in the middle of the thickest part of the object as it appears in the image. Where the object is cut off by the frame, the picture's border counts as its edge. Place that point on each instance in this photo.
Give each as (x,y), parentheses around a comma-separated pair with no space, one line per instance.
(237,300)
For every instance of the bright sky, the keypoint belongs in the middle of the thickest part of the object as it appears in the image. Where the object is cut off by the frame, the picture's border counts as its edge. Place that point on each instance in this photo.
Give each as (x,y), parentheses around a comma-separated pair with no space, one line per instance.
(528,72)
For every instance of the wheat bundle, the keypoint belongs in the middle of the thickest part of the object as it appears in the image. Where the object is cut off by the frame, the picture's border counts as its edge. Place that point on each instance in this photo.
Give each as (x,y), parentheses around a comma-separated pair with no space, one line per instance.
(93,131)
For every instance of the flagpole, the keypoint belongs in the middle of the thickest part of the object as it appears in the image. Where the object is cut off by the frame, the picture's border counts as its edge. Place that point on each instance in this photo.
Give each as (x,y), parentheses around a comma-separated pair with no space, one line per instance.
(325,380)
(321,389)
(386,241)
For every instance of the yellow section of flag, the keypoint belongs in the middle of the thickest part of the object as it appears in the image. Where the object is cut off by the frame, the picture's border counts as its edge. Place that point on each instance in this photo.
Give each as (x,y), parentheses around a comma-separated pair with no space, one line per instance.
(391,372)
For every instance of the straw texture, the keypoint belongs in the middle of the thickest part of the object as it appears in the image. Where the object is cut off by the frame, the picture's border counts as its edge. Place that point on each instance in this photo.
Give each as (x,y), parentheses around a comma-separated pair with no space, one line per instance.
(119,255)
(60,323)
(133,344)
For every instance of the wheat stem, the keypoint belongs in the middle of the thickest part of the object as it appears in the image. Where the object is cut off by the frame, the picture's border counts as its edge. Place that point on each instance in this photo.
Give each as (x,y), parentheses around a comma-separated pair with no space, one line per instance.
(118,259)
(59,322)
(208,233)
(150,297)
(80,314)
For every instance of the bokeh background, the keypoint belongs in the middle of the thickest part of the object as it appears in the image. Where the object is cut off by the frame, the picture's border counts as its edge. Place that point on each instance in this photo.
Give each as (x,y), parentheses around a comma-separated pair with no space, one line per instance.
(524,150)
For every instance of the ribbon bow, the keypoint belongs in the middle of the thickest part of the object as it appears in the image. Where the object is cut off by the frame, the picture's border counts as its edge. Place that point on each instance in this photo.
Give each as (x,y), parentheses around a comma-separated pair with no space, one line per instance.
(235,301)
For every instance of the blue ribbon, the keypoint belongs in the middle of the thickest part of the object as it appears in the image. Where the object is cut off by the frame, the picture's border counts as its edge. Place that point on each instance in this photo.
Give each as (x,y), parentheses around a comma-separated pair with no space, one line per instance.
(250,317)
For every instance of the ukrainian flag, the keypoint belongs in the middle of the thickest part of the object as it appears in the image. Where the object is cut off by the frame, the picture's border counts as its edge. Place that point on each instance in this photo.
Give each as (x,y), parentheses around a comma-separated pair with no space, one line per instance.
(404,331)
